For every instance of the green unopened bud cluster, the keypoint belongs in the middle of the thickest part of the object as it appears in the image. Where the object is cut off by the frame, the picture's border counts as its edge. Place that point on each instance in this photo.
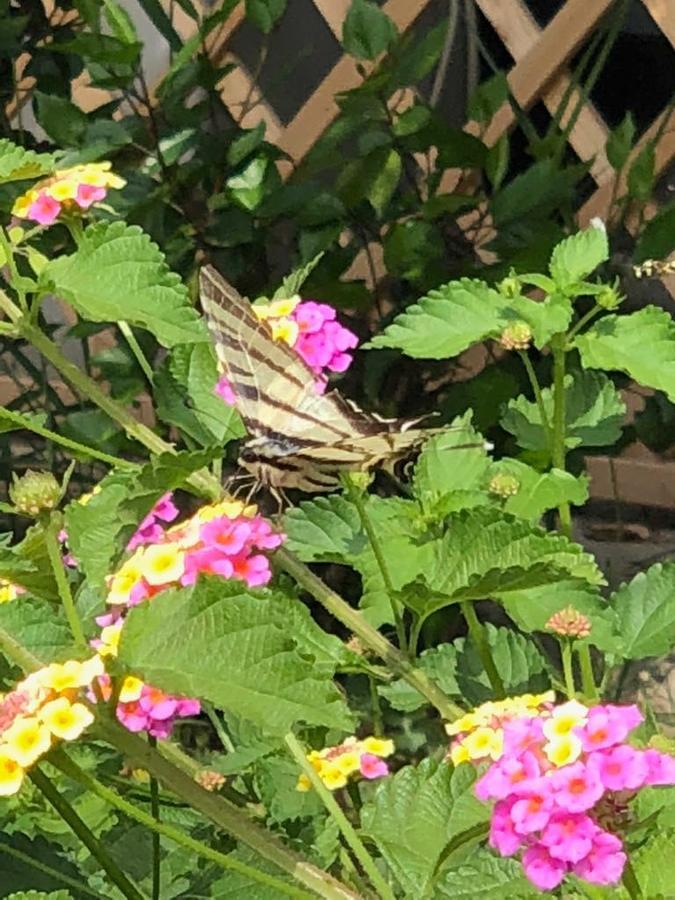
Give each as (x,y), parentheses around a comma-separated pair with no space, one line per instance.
(504,485)
(509,287)
(609,297)
(34,492)
(516,336)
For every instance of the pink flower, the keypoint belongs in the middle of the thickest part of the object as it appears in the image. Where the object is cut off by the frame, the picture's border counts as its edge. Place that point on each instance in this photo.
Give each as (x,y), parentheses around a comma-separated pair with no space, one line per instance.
(372,766)
(542,869)
(157,704)
(569,836)
(575,788)
(209,561)
(608,725)
(223,389)
(45,210)
(619,768)
(254,570)
(132,716)
(503,836)
(503,777)
(660,768)
(521,735)
(88,194)
(531,812)
(228,536)
(605,861)
(165,509)
(310,316)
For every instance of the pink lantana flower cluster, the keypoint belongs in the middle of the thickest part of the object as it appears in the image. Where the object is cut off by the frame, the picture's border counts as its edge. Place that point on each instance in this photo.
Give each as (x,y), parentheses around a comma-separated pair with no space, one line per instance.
(67,191)
(312,330)
(352,759)
(222,539)
(555,773)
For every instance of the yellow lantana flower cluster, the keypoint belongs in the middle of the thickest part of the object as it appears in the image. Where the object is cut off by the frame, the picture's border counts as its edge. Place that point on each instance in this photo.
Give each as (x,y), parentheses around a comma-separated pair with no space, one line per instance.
(9,591)
(276,314)
(42,709)
(352,758)
(68,190)
(479,734)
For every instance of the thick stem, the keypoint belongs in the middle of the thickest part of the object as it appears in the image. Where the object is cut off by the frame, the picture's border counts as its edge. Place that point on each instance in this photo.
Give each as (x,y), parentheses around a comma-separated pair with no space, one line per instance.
(342,822)
(65,593)
(587,677)
(568,672)
(10,309)
(356,498)
(47,870)
(371,637)
(558,448)
(479,638)
(82,831)
(156,836)
(631,883)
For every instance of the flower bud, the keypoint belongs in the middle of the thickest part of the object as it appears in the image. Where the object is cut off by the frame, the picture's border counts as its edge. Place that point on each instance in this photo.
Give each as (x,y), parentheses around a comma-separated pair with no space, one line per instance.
(504,485)
(609,297)
(516,336)
(209,780)
(35,492)
(569,622)
(509,287)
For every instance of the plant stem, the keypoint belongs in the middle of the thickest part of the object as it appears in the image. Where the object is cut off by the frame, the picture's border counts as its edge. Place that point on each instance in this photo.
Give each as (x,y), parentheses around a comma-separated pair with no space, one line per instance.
(536,390)
(14,277)
(584,320)
(343,823)
(218,810)
(214,719)
(137,350)
(82,831)
(22,421)
(10,309)
(631,883)
(47,870)
(558,449)
(568,672)
(479,638)
(65,593)
(356,497)
(587,678)
(370,636)
(378,724)
(156,836)
(17,654)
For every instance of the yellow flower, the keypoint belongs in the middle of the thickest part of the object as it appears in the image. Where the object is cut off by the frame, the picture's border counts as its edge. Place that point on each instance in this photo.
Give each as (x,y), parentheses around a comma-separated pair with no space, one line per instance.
(131,689)
(162,563)
(277,309)
(465,723)
(539,699)
(23,203)
(378,746)
(563,750)
(85,498)
(110,639)
(63,189)
(304,784)
(11,774)
(459,754)
(64,719)
(564,718)
(27,740)
(285,330)
(347,763)
(8,591)
(332,777)
(125,580)
(484,742)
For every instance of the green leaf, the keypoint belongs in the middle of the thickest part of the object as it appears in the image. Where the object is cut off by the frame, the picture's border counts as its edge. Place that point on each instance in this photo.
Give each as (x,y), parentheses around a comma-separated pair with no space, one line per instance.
(118,273)
(539,491)
(38,626)
(446,321)
(537,191)
(620,142)
(64,122)
(657,240)
(414,250)
(458,149)
(235,885)
(485,876)
(276,778)
(247,187)
(594,413)
(245,143)
(40,895)
(414,816)
(239,649)
(27,564)
(654,865)
(440,664)
(641,175)
(265,13)
(98,529)
(120,22)
(17,164)
(641,344)
(645,612)
(367,30)
(574,258)
(102,49)
(488,97)
(294,281)
(497,162)
(385,182)
(545,317)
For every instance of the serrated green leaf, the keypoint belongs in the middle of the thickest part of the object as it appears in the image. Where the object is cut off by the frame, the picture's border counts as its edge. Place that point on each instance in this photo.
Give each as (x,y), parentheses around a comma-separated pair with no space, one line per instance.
(654,865)
(40,627)
(485,876)
(440,664)
(294,281)
(539,491)
(276,778)
(235,885)
(620,142)
(367,30)
(17,164)
(40,895)
(594,413)
(238,649)
(545,317)
(645,612)
(118,273)
(574,258)
(642,344)
(27,565)
(449,464)
(414,816)
(446,321)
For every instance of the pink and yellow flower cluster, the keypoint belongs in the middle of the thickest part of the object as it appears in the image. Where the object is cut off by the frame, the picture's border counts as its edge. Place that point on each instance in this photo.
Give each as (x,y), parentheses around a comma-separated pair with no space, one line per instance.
(219,539)
(67,191)
(312,330)
(352,759)
(554,773)
(41,710)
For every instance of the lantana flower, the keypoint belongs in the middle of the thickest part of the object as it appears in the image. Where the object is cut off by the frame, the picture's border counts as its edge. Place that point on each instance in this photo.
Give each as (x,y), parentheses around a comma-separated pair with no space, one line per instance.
(41,710)
(69,190)
(312,330)
(352,759)
(9,591)
(561,774)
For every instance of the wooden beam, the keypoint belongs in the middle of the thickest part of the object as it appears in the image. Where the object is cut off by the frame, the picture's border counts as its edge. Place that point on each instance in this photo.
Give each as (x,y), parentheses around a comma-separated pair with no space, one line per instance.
(663,13)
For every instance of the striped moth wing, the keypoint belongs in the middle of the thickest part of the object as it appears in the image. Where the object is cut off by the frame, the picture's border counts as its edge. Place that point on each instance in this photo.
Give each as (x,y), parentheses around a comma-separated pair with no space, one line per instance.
(299,438)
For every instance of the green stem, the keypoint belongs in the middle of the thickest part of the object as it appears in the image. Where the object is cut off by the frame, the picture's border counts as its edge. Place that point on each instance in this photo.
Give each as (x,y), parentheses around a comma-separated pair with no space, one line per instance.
(356,497)
(582,322)
(82,831)
(536,390)
(156,836)
(14,277)
(22,421)
(369,636)
(479,638)
(586,666)
(342,822)
(558,448)
(378,724)
(137,350)
(568,672)
(414,639)
(218,810)
(65,593)
(10,309)
(214,719)
(47,870)
(631,883)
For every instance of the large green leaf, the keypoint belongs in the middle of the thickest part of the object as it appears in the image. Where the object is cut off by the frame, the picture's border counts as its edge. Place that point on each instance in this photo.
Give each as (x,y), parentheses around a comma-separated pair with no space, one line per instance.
(367,30)
(645,612)
(255,653)
(539,491)
(27,564)
(265,13)
(654,865)
(594,413)
(39,626)
(118,273)
(17,164)
(577,256)
(485,876)
(446,321)
(416,813)
(545,317)
(641,344)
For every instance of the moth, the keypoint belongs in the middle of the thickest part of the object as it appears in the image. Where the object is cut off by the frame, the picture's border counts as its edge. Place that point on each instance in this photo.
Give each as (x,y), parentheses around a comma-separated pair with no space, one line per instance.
(299,438)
